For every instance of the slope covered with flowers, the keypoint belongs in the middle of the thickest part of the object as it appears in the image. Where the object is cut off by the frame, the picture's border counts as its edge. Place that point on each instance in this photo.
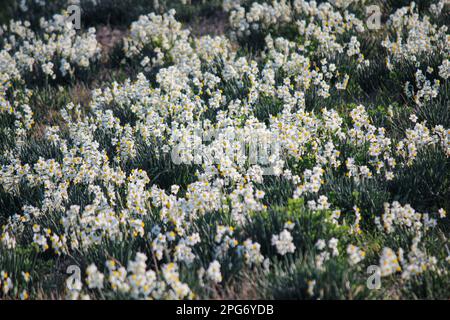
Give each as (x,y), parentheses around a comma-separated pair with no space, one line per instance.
(280,159)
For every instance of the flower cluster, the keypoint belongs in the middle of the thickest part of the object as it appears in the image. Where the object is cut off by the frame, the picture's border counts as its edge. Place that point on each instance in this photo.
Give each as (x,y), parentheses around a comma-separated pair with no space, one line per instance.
(55,49)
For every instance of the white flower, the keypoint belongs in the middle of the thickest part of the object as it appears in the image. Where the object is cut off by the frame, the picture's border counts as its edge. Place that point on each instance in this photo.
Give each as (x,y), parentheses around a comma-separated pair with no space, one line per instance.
(289,225)
(355,254)
(213,272)
(389,262)
(283,242)
(252,254)
(320,244)
(332,244)
(444,69)
(94,277)
(145,61)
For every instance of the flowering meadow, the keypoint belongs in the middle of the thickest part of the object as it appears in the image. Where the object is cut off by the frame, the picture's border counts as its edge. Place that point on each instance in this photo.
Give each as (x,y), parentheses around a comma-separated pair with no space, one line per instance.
(224,149)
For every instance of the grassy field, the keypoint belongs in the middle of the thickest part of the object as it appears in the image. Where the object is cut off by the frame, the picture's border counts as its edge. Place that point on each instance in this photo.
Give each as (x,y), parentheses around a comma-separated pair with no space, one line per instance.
(233,149)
